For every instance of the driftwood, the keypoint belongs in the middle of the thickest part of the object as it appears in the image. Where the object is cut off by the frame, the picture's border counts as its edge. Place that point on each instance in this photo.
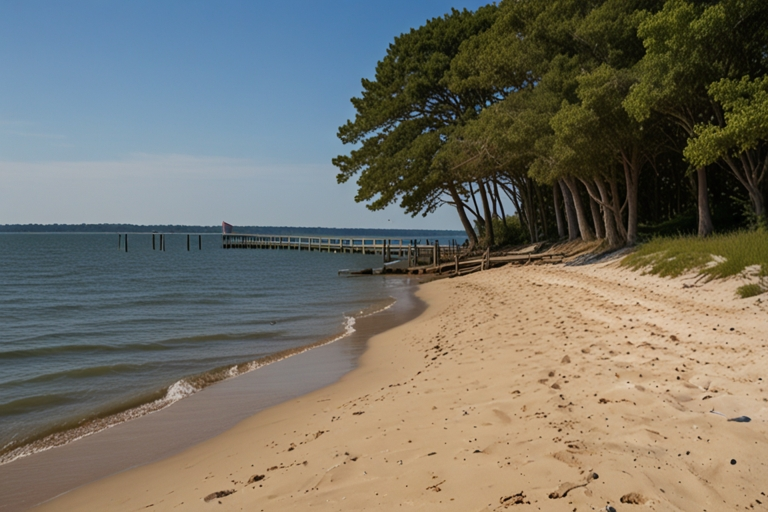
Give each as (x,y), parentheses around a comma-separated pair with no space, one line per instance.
(459,267)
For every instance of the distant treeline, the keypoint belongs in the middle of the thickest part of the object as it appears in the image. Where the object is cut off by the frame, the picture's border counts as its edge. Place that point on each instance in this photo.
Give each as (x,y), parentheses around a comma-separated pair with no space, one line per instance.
(603,119)
(263,230)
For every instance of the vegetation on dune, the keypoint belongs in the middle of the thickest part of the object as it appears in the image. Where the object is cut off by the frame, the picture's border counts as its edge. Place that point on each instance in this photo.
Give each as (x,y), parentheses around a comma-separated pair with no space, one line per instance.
(607,119)
(717,256)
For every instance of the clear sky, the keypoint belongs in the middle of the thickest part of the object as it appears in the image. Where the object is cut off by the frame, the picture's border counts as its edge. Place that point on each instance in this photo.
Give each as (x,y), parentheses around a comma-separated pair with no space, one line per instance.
(190,112)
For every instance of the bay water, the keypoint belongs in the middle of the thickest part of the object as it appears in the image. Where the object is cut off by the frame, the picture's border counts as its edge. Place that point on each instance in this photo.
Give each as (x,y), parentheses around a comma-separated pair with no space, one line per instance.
(92,336)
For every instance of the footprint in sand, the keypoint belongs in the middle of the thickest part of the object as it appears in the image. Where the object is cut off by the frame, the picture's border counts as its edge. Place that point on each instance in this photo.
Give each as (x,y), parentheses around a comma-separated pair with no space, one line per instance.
(567,487)
(218,494)
(502,416)
(633,498)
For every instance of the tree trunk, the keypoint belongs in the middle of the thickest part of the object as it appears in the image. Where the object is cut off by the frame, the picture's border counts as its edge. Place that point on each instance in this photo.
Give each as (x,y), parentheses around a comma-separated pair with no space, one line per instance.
(501,205)
(542,210)
(581,215)
(611,233)
(495,212)
(758,202)
(463,216)
(521,214)
(617,209)
(487,214)
(632,164)
(474,200)
(750,172)
(529,202)
(558,212)
(705,219)
(570,211)
(596,220)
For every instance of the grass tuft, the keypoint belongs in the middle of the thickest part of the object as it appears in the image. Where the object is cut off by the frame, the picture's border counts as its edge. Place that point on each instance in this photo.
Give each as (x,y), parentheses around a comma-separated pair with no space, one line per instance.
(717,256)
(750,290)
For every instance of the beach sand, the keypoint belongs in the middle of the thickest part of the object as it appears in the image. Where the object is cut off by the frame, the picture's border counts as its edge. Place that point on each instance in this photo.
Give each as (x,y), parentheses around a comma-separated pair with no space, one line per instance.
(521,388)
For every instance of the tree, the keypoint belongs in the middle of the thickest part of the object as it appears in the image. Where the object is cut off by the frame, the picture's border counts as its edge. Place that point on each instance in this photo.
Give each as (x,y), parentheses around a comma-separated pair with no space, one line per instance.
(688,47)
(739,138)
(408,112)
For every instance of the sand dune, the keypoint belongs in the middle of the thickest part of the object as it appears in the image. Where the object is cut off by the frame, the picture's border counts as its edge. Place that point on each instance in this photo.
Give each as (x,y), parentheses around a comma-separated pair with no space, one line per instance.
(521,388)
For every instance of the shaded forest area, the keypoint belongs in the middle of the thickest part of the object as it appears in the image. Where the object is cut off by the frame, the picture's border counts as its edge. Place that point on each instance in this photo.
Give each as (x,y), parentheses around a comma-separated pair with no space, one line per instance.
(609,119)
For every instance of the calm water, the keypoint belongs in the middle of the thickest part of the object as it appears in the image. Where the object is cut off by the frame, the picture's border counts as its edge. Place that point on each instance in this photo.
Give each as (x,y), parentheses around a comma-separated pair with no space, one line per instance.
(90,336)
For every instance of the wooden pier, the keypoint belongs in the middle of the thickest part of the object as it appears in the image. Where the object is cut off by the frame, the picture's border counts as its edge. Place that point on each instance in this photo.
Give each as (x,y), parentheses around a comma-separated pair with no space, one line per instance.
(390,248)
(412,257)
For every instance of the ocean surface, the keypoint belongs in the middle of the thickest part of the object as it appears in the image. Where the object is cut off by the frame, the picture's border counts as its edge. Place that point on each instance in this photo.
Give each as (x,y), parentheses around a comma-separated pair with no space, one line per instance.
(92,336)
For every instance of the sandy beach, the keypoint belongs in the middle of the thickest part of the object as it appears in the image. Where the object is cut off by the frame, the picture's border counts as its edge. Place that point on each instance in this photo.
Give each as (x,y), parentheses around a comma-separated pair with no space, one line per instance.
(522,388)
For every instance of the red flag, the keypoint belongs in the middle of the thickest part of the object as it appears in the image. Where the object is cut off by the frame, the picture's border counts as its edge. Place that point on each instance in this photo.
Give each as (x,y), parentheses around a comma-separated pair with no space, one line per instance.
(226,228)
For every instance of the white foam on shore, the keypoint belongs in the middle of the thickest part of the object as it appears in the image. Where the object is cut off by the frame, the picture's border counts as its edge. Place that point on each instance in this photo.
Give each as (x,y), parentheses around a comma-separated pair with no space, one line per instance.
(178,390)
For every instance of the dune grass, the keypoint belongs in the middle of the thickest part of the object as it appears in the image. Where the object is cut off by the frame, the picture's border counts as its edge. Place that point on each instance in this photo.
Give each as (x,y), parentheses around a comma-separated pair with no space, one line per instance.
(717,256)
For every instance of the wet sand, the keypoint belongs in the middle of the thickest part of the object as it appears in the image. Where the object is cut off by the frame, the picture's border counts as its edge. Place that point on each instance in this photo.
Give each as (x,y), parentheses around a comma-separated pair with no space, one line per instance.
(37,478)
(522,388)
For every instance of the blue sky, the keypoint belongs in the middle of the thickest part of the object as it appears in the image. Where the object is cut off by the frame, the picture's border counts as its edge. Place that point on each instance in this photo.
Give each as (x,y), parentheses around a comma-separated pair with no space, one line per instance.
(190,112)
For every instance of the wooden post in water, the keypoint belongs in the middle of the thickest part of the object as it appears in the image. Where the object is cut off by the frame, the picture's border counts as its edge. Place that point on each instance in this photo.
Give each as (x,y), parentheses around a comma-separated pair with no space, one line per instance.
(153,241)
(199,242)
(187,242)
(126,242)
(119,241)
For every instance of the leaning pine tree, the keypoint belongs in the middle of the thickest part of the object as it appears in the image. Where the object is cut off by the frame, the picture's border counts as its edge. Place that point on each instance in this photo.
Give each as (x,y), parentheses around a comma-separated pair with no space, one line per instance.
(406,115)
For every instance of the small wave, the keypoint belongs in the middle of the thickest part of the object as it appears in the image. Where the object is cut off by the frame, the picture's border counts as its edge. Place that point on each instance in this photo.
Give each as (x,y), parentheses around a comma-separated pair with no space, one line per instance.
(377,308)
(24,405)
(175,392)
(180,389)
(69,349)
(166,344)
(79,373)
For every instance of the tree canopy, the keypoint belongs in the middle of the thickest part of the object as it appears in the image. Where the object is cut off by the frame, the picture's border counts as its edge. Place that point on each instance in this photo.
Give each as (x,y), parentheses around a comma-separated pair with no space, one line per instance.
(592,118)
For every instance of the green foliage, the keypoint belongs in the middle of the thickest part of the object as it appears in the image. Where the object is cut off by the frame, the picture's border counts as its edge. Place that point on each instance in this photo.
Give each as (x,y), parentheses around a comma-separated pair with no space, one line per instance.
(507,234)
(523,93)
(745,106)
(407,112)
(511,233)
(715,257)
(688,47)
(750,290)
(682,224)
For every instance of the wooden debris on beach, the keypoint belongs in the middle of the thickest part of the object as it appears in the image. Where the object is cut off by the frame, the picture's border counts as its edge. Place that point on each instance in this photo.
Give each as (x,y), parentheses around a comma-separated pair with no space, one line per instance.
(456,264)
